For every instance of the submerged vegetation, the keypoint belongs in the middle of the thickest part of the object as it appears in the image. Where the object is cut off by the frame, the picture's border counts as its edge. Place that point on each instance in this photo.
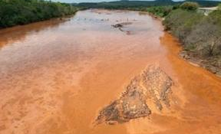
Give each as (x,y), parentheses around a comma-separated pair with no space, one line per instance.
(19,12)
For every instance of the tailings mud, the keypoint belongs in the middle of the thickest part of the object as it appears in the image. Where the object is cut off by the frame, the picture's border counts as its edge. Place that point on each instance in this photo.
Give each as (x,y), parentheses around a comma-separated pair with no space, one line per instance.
(57,76)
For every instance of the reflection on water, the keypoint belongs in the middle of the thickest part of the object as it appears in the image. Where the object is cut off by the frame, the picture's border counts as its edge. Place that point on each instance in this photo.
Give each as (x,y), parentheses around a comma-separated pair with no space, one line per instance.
(56,75)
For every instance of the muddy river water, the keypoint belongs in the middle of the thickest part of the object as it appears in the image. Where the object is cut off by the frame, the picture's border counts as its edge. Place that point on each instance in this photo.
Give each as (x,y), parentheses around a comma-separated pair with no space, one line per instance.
(56,75)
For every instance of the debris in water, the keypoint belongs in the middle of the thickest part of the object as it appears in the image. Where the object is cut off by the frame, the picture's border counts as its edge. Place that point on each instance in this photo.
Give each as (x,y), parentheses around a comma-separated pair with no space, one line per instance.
(121,25)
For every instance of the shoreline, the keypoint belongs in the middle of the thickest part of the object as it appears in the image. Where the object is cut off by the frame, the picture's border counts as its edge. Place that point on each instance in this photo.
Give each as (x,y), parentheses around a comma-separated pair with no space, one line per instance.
(193,60)
(50,19)
(203,63)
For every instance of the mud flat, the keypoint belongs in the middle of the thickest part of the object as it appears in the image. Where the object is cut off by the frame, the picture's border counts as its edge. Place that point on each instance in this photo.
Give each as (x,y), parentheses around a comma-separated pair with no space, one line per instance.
(78,75)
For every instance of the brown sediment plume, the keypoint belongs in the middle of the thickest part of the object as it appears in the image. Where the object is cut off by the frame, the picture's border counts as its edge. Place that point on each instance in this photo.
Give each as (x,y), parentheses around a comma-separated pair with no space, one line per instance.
(55,79)
(152,87)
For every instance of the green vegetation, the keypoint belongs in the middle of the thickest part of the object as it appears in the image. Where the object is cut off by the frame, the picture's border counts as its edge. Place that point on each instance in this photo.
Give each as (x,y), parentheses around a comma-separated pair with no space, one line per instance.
(181,22)
(141,5)
(19,12)
(199,34)
(189,6)
(160,11)
(219,7)
(163,11)
(127,5)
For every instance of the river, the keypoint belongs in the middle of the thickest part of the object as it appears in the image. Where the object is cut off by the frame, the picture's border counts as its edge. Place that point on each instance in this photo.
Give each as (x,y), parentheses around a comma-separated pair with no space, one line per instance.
(56,75)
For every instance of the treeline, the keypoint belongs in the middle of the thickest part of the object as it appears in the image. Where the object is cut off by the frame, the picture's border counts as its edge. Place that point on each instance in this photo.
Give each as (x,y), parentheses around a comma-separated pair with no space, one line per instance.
(200,34)
(20,12)
(161,11)
(128,5)
(140,5)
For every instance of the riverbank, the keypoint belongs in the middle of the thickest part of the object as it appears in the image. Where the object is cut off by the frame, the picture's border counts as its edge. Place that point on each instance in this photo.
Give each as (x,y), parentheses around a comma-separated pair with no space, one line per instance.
(198,32)
(21,12)
(199,35)
(206,63)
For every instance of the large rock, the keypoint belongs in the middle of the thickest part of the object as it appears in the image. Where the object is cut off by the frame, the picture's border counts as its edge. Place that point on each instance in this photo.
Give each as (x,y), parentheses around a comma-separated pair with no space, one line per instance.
(152,87)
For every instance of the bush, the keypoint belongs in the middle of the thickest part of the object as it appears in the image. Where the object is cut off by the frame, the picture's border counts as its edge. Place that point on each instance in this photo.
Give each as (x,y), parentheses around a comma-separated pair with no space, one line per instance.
(181,22)
(219,7)
(206,36)
(200,35)
(160,11)
(205,39)
(189,6)
(215,17)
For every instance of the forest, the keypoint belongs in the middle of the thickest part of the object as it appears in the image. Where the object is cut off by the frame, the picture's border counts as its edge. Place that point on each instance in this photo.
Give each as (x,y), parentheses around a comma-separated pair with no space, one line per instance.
(20,12)
(140,5)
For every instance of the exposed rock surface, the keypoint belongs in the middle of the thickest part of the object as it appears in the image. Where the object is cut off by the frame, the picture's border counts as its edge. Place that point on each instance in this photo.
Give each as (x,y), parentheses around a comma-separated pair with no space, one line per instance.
(152,87)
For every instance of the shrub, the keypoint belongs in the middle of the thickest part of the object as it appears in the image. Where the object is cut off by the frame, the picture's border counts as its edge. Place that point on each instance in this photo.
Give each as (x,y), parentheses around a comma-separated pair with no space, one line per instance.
(206,36)
(160,11)
(189,6)
(198,33)
(205,39)
(181,22)
(215,17)
(219,7)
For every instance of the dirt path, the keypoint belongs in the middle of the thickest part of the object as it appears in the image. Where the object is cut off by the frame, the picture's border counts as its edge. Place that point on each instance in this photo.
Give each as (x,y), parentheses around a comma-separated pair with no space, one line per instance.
(56,76)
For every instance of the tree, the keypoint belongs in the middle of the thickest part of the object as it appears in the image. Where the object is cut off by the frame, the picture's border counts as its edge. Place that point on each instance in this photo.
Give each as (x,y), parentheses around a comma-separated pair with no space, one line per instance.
(219,7)
(205,39)
(181,22)
(189,6)
(19,12)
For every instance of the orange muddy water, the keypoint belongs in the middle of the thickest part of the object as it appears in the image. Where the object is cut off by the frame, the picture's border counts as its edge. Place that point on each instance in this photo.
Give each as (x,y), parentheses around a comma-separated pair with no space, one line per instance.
(56,75)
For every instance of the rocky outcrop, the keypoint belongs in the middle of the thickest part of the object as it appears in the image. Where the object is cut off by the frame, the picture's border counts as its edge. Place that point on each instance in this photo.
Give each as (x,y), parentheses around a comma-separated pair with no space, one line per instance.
(151,87)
